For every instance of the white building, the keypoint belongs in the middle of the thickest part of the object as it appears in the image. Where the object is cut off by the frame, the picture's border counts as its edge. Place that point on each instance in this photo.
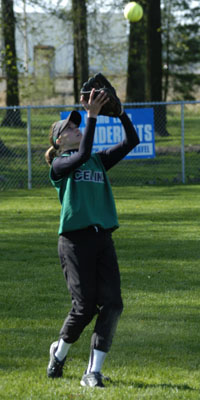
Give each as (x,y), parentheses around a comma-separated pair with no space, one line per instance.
(44,46)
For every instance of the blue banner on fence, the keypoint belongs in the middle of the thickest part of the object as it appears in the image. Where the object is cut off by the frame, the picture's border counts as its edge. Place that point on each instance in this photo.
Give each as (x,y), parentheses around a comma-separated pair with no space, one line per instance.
(109,131)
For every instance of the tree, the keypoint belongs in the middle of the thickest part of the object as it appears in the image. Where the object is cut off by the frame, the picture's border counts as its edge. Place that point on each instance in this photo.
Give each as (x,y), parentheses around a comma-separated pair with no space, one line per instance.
(167,25)
(144,80)
(154,51)
(13,117)
(181,50)
(154,65)
(136,71)
(79,14)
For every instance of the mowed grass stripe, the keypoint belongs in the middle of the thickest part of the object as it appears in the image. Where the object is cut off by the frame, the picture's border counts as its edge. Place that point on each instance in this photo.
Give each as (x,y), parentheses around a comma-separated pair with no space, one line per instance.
(155,353)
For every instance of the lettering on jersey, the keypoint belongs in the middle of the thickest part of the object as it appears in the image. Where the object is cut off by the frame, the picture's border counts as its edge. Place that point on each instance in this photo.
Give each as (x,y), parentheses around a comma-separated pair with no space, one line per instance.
(88,175)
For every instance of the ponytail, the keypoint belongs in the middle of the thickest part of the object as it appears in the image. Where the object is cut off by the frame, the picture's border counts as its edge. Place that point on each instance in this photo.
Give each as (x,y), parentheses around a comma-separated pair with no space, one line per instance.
(50,154)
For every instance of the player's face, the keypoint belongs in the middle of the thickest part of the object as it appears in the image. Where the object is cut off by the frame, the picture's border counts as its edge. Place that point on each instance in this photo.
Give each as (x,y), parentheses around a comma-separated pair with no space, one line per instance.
(71,136)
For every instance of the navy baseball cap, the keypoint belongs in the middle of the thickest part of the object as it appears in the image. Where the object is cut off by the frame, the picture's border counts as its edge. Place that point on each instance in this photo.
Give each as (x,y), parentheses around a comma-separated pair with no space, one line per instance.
(59,126)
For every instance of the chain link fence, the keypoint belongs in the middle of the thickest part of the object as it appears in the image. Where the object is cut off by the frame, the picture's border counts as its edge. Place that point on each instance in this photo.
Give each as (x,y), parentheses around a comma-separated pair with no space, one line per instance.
(24,135)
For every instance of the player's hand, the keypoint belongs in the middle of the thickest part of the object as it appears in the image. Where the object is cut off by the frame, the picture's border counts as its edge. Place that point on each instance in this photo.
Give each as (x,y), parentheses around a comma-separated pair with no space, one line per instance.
(94,105)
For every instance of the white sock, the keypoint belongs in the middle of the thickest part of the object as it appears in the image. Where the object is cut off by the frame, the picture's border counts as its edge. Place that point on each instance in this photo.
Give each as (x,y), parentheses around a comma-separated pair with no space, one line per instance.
(62,349)
(96,360)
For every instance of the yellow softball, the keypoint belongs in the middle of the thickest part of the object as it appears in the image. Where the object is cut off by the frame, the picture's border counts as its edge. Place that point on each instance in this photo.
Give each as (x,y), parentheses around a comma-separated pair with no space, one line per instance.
(133,12)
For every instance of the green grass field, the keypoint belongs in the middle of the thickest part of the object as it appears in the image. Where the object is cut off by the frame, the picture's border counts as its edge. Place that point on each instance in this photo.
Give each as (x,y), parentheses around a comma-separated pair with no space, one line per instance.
(156,351)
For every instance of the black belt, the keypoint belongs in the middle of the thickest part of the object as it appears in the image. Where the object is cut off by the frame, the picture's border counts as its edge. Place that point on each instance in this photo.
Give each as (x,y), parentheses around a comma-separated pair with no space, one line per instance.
(89,228)
(93,227)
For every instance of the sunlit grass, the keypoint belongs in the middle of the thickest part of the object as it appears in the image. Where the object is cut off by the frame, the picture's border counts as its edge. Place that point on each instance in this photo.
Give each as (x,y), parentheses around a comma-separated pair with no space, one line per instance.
(155,353)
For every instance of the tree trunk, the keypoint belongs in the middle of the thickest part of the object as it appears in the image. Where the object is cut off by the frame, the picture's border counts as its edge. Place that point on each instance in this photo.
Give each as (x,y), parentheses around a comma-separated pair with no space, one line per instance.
(4,151)
(13,117)
(154,65)
(167,17)
(154,51)
(79,12)
(135,89)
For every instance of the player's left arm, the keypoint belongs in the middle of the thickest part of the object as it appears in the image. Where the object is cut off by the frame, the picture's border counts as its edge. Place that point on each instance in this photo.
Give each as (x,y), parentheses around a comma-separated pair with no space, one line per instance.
(114,154)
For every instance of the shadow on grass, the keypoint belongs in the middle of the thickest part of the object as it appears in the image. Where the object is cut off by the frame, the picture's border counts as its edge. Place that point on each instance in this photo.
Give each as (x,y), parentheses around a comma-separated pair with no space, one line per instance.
(142,385)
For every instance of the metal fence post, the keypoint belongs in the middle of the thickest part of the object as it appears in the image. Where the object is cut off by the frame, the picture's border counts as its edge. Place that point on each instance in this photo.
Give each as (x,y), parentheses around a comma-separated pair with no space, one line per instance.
(29,148)
(182,143)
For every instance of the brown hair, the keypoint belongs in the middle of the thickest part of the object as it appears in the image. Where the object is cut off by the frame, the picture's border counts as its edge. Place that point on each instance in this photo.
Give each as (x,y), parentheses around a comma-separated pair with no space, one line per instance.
(51,152)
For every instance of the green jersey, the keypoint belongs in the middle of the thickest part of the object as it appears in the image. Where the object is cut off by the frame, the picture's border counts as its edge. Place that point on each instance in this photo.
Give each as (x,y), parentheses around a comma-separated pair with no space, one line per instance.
(86,197)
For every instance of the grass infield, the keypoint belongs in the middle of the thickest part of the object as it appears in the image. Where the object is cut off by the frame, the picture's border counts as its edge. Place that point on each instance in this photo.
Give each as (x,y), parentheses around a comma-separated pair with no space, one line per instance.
(156,350)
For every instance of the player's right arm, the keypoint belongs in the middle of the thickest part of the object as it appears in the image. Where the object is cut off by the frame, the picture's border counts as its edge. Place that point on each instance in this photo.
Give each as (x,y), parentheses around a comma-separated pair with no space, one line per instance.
(62,166)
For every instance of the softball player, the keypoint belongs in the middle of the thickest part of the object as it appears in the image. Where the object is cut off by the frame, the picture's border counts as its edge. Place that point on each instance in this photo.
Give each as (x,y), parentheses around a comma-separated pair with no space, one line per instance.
(86,250)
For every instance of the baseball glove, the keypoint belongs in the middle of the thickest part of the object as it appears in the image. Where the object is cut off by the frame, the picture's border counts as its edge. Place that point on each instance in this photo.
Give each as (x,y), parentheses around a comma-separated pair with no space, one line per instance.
(113,107)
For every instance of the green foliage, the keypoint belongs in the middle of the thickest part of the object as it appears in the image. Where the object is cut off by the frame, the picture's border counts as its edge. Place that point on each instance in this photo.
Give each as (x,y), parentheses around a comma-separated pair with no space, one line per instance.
(185,85)
(155,353)
(181,48)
